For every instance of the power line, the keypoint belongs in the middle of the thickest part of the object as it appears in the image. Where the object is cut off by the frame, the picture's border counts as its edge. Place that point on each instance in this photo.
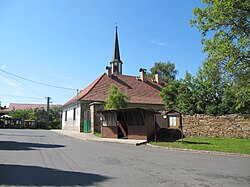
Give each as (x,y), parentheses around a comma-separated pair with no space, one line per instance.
(44,84)
(24,87)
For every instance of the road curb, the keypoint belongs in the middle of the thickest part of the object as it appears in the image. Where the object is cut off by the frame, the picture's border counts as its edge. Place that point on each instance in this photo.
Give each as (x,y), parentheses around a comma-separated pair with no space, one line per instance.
(199,151)
(97,139)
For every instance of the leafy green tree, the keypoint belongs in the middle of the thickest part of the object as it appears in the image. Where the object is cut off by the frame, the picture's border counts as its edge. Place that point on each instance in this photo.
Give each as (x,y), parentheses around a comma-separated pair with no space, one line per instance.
(54,117)
(116,99)
(166,69)
(209,89)
(23,114)
(41,115)
(225,26)
(229,22)
(186,95)
(179,94)
(170,93)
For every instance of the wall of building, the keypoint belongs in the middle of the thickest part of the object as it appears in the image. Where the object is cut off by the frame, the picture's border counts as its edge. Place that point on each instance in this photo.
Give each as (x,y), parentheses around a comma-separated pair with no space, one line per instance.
(230,126)
(70,123)
(137,132)
(95,117)
(150,124)
(109,132)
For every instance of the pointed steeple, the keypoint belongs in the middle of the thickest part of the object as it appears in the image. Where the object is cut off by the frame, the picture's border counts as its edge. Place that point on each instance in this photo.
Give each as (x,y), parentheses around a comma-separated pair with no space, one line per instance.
(116,55)
(116,63)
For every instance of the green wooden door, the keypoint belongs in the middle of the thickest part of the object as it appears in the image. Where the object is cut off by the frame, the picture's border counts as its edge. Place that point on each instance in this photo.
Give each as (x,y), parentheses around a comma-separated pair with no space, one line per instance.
(86,121)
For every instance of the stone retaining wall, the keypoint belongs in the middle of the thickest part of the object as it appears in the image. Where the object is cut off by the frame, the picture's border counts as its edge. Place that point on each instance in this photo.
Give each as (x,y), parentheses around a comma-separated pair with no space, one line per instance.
(230,126)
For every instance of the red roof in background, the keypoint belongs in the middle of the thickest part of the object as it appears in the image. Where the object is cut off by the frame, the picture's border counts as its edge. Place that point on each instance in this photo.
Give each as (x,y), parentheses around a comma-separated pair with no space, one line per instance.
(147,92)
(18,106)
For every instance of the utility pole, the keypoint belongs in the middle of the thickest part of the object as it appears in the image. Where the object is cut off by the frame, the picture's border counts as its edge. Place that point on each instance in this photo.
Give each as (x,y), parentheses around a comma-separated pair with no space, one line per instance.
(47,117)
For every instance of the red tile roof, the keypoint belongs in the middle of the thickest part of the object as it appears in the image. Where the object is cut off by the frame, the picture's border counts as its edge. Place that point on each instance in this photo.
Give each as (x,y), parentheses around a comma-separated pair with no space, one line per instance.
(18,106)
(83,92)
(147,92)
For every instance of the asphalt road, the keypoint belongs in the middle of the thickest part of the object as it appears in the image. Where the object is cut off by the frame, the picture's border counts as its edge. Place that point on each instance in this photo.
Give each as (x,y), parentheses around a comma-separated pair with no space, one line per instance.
(45,158)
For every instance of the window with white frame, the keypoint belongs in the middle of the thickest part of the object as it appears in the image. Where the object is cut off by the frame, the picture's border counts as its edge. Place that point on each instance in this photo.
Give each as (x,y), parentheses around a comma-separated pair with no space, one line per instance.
(172,121)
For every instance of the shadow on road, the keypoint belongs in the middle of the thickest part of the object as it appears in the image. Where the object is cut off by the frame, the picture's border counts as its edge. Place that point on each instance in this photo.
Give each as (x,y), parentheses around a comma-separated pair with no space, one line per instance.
(25,146)
(20,175)
(25,135)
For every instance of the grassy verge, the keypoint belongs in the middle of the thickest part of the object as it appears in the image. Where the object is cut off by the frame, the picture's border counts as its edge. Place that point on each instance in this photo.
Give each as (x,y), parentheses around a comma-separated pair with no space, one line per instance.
(229,145)
(98,134)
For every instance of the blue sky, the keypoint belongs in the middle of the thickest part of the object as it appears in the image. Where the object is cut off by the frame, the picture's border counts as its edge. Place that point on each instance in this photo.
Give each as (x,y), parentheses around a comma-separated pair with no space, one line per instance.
(69,43)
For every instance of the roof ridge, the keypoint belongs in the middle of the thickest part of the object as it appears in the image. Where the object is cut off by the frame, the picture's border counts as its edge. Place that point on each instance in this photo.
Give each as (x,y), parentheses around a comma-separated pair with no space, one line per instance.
(129,75)
(31,104)
(92,86)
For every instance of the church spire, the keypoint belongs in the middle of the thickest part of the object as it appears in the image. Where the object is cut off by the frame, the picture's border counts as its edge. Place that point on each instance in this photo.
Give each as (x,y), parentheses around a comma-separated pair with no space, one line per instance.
(116,55)
(116,63)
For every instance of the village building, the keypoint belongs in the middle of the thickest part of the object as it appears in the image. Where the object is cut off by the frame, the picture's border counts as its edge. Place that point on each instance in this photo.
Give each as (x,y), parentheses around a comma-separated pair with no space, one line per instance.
(81,112)
(9,122)
(23,106)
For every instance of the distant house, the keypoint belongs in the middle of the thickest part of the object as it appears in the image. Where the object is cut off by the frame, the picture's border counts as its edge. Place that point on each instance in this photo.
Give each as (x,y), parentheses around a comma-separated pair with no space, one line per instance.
(18,123)
(19,106)
(80,113)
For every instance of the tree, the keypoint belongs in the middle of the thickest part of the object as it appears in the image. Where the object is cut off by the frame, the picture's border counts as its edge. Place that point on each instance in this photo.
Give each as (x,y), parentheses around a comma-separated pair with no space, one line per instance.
(41,115)
(179,94)
(169,94)
(209,92)
(166,69)
(23,114)
(54,117)
(225,26)
(186,96)
(229,22)
(209,89)
(116,99)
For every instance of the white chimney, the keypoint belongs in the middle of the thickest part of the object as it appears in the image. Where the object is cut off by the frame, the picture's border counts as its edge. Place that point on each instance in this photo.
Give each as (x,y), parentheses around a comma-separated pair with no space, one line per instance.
(108,71)
(158,78)
(143,75)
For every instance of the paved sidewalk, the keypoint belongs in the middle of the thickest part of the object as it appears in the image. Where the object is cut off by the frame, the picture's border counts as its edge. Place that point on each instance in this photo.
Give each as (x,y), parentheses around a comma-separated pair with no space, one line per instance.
(91,137)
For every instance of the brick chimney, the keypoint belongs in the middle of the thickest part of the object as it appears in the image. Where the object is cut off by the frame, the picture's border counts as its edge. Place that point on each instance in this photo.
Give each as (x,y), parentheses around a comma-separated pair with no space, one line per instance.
(143,75)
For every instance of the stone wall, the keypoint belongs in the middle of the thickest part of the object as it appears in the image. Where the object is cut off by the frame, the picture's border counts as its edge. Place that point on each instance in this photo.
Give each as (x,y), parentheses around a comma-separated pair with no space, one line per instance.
(230,126)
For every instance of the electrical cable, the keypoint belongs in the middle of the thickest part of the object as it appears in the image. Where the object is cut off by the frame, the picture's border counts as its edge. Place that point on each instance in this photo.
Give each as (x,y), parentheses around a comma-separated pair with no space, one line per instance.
(44,84)
(28,89)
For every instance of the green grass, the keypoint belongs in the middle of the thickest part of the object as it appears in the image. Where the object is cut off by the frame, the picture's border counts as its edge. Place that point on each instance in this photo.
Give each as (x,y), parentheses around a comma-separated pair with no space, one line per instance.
(229,145)
(98,134)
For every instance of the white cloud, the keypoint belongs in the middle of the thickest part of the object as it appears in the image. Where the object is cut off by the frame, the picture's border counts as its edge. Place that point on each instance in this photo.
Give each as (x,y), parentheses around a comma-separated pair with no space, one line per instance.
(158,42)
(57,75)
(162,44)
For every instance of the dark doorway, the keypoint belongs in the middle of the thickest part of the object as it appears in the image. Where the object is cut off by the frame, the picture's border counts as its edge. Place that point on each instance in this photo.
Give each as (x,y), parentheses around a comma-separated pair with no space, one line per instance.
(122,125)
